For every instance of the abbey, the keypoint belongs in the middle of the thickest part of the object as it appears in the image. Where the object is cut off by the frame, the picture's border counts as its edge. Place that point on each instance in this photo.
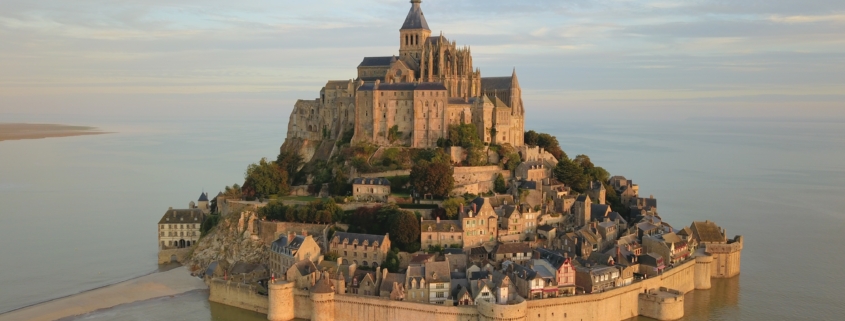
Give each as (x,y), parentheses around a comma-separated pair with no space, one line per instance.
(412,98)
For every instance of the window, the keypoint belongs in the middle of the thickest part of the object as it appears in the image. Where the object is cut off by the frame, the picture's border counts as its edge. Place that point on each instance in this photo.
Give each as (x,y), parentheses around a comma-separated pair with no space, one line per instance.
(440,295)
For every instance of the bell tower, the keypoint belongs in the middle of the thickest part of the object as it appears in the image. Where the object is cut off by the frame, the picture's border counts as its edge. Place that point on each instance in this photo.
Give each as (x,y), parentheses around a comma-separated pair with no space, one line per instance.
(413,35)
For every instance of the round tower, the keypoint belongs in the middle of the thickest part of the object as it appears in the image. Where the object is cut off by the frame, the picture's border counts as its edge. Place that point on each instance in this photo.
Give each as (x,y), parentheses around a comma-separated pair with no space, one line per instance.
(322,301)
(280,306)
(702,271)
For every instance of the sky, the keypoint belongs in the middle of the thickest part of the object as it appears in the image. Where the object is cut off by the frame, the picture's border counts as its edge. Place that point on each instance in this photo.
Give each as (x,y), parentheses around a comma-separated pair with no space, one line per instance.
(648,58)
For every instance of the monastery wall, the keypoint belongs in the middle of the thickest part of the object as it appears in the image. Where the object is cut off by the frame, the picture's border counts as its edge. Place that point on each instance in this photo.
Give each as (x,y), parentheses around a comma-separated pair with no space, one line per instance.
(166,256)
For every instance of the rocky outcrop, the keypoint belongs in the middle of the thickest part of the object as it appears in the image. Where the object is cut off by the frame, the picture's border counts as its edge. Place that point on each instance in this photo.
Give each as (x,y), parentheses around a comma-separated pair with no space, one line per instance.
(233,240)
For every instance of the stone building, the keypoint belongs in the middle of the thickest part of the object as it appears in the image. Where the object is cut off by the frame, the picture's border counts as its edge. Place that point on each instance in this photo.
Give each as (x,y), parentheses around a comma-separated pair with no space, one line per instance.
(371,189)
(412,98)
(179,228)
(361,249)
(290,249)
(443,233)
(479,221)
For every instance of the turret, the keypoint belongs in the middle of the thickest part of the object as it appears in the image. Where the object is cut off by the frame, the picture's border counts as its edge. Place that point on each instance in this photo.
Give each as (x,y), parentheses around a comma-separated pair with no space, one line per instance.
(322,300)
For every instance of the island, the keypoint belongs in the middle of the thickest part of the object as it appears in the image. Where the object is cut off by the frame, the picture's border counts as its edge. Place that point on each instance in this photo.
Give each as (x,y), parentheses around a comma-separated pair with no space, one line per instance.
(19,131)
(413,191)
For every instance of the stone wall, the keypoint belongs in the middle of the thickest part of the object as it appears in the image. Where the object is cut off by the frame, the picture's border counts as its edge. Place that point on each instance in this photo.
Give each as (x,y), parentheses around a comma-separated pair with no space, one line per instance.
(237,295)
(659,297)
(166,256)
(398,172)
(477,179)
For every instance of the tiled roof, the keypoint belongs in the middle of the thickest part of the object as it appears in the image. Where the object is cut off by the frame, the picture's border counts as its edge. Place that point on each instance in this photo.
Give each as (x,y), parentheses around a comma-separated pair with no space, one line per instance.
(708,231)
(351,237)
(442,226)
(371,181)
(437,272)
(323,286)
(517,247)
(172,216)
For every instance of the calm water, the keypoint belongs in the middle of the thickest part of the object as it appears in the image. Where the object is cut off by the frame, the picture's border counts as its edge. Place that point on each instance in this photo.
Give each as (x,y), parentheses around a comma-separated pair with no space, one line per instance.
(80,212)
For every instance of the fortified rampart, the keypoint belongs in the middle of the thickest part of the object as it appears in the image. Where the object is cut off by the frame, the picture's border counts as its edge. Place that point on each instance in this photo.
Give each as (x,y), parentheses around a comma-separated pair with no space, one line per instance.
(240,295)
(659,297)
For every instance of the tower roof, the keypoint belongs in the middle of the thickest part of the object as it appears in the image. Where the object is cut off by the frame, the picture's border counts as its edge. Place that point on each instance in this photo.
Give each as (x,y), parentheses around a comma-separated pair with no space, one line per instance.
(203,197)
(415,18)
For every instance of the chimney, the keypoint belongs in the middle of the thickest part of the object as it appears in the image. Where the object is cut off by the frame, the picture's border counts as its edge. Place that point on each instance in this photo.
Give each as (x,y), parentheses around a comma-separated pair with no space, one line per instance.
(291,235)
(438,220)
(170,208)
(304,233)
(474,207)
(462,208)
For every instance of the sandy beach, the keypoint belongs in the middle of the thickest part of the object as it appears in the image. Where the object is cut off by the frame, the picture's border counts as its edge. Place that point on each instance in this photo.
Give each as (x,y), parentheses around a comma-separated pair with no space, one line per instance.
(17,131)
(173,282)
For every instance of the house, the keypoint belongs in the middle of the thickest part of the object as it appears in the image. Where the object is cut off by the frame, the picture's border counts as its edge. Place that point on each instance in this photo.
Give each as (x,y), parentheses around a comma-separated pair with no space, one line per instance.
(532,171)
(362,249)
(535,280)
(483,289)
(608,231)
(458,261)
(597,192)
(392,285)
(599,212)
(547,231)
(651,264)
(303,274)
(371,189)
(564,270)
(442,233)
(179,228)
(668,245)
(595,278)
(416,289)
(582,210)
(438,278)
(363,283)
(647,205)
(480,221)
(518,252)
(461,292)
(421,259)
(291,248)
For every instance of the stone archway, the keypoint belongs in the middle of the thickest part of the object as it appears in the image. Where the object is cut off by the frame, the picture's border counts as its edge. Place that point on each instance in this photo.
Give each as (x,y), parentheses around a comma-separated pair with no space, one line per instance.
(181,243)
(174,259)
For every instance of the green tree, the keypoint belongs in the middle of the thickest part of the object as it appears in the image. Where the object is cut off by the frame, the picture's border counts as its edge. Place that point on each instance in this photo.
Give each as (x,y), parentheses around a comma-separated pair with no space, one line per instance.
(233,192)
(266,178)
(452,207)
(340,183)
(432,178)
(571,174)
(531,138)
(393,133)
(550,144)
(391,261)
(404,228)
(290,162)
(499,184)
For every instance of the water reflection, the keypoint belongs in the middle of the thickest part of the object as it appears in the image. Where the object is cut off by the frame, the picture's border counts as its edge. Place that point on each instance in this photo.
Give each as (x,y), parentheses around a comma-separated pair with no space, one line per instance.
(721,302)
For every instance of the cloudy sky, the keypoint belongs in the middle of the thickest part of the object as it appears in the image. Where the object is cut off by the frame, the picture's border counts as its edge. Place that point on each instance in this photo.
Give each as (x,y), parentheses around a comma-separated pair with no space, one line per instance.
(692,58)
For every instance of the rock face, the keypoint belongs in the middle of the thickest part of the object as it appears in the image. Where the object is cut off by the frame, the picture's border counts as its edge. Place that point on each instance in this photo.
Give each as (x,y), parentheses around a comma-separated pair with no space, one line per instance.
(233,240)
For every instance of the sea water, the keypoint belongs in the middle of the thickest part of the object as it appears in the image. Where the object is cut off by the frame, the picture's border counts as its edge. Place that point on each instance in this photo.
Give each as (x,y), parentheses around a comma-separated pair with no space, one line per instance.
(80,212)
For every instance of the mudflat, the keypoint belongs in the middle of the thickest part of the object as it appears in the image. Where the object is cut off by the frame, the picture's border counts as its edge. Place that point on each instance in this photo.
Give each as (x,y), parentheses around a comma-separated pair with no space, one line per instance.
(17,131)
(156,285)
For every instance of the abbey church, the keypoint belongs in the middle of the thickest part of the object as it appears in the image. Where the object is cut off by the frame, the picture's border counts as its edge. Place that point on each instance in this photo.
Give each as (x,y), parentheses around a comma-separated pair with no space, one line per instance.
(412,98)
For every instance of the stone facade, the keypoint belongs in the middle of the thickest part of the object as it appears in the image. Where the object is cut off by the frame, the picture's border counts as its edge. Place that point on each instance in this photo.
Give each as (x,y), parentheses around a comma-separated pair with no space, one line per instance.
(411,99)
(179,228)
(291,248)
(360,249)
(371,189)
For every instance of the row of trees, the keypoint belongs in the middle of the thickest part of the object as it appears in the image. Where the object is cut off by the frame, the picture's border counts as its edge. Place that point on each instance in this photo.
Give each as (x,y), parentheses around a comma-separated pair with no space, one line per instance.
(324,211)
(403,226)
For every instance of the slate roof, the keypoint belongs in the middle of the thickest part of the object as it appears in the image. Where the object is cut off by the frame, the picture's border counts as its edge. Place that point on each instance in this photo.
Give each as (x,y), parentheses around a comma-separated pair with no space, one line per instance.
(203,197)
(387,283)
(305,267)
(518,247)
(172,216)
(371,181)
(284,242)
(415,18)
(371,239)
(458,101)
(437,38)
(440,269)
(376,61)
(554,258)
(496,83)
(545,227)
(453,251)
(478,251)
(597,211)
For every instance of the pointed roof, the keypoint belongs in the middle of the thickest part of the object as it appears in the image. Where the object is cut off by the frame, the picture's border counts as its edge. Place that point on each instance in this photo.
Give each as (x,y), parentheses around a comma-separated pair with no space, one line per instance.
(415,18)
(203,197)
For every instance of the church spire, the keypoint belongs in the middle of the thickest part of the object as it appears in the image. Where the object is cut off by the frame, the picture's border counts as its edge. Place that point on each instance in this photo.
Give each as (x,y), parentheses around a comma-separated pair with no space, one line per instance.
(415,18)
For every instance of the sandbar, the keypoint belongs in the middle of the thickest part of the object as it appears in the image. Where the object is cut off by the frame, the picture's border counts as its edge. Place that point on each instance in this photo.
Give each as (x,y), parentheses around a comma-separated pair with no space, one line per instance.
(156,285)
(17,131)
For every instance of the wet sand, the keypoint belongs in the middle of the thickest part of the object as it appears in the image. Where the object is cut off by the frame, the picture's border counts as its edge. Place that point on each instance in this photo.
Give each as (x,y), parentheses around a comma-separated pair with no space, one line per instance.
(17,131)
(156,285)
